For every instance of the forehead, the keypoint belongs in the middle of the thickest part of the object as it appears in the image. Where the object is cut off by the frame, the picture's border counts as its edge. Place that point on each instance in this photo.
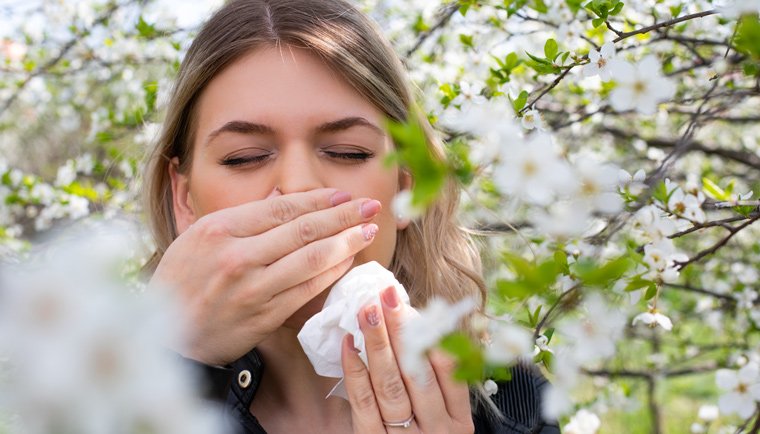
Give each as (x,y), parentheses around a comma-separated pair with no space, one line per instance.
(285,87)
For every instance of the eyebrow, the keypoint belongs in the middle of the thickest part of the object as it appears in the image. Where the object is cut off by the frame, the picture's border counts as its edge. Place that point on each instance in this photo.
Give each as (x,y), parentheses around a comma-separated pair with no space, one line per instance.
(245,127)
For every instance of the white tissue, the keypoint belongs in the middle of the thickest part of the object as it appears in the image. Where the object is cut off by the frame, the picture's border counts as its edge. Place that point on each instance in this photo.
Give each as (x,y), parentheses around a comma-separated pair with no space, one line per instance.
(323,333)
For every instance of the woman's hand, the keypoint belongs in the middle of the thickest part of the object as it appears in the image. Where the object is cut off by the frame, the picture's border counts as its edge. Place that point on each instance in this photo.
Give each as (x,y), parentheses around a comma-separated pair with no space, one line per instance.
(383,393)
(241,272)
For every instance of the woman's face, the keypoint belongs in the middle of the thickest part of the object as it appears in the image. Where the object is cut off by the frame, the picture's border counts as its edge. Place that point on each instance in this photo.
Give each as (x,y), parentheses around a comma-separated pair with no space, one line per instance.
(281,118)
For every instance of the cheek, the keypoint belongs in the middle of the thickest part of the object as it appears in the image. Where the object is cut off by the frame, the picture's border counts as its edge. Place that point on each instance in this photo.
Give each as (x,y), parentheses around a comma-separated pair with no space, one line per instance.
(212,190)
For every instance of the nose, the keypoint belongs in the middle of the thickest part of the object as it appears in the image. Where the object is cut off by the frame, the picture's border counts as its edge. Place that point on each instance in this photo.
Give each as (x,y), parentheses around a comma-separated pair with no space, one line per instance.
(298,169)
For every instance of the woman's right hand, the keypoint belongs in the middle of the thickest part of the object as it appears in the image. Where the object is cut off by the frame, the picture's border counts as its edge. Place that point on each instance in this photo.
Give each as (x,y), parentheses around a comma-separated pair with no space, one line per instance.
(240,272)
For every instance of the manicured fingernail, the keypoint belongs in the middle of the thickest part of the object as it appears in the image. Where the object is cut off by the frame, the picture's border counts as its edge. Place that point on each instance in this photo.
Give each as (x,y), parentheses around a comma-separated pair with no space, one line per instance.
(390,297)
(340,197)
(369,230)
(370,208)
(372,313)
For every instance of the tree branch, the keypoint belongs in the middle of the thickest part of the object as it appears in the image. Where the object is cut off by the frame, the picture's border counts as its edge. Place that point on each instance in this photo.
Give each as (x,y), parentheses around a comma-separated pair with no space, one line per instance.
(668,23)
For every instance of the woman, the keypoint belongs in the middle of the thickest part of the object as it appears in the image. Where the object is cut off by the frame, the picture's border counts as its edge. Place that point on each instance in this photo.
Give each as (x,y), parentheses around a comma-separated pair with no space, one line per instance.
(267,185)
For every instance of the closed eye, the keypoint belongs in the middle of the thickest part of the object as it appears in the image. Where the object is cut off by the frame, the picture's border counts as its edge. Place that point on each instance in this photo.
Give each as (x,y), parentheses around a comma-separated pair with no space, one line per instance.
(240,161)
(356,156)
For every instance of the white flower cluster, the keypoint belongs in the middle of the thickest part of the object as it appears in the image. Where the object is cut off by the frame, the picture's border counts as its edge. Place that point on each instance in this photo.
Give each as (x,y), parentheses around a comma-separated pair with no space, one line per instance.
(640,86)
(85,354)
(564,196)
(588,339)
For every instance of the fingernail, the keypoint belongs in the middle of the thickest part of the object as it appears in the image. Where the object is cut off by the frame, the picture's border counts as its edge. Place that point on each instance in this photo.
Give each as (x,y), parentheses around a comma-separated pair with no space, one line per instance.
(370,208)
(372,313)
(390,297)
(369,230)
(340,197)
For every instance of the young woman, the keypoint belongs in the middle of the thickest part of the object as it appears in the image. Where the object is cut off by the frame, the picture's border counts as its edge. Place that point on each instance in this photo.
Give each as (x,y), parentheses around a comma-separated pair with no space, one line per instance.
(267,185)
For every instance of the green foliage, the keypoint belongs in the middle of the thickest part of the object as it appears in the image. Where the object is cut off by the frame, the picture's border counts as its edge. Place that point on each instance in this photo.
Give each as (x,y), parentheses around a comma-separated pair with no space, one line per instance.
(551,49)
(602,275)
(519,102)
(413,152)
(470,361)
(146,30)
(748,36)
(603,9)
(506,67)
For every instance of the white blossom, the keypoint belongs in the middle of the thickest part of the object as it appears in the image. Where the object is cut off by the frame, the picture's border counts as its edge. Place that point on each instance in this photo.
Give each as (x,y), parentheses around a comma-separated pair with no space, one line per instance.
(742,389)
(737,8)
(402,206)
(640,87)
(653,319)
(532,119)
(594,334)
(532,171)
(583,422)
(490,387)
(422,332)
(508,342)
(599,62)
(708,413)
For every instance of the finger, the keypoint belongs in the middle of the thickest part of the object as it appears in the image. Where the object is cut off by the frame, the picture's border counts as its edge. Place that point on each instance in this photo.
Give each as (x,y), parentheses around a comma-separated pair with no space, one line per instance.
(293,298)
(390,391)
(258,216)
(313,259)
(456,394)
(427,399)
(310,227)
(365,414)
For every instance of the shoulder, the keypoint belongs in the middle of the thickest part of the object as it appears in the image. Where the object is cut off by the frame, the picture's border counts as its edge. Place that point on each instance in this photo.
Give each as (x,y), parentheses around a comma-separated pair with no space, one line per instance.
(520,402)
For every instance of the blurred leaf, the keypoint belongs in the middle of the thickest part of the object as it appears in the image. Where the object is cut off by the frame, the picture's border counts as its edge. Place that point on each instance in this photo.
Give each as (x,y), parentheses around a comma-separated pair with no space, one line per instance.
(748,36)
(146,30)
(713,190)
(593,275)
(466,40)
(551,49)
(519,102)
(651,292)
(413,152)
(470,363)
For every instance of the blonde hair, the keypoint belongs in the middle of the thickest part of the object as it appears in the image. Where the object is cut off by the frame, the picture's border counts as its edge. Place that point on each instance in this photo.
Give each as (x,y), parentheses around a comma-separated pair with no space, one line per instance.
(433,256)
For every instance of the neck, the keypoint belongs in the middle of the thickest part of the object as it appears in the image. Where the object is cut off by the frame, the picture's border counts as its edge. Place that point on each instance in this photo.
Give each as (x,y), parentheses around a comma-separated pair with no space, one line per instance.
(290,384)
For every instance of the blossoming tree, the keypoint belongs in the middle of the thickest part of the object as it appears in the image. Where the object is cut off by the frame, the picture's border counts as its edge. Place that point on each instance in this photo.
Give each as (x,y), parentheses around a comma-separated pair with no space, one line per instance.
(609,153)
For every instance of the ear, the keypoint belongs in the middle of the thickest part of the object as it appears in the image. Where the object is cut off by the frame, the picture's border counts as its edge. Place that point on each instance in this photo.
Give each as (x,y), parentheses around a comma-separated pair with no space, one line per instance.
(182,201)
(405,182)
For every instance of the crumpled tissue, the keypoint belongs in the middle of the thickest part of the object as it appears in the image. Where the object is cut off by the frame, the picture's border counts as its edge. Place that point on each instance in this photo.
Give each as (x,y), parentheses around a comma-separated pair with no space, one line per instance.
(323,333)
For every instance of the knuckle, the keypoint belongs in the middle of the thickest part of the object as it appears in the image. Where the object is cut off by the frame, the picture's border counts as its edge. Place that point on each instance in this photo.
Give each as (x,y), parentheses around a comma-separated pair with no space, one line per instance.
(233,266)
(345,218)
(307,231)
(393,390)
(364,399)
(311,286)
(282,211)
(377,345)
(316,259)
(210,227)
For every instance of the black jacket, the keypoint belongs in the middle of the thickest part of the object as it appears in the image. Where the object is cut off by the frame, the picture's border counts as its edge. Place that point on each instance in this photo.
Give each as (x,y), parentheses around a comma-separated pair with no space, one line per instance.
(518,399)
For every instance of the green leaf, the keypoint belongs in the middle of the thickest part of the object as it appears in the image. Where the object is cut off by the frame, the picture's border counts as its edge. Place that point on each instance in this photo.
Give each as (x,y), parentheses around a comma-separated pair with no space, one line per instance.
(470,362)
(748,36)
(651,292)
(520,101)
(429,173)
(713,190)
(466,40)
(551,49)
(145,30)
(591,274)
(617,8)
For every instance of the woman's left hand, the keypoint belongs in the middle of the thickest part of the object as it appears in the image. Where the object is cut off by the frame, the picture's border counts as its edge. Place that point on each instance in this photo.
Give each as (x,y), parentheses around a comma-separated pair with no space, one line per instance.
(383,393)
